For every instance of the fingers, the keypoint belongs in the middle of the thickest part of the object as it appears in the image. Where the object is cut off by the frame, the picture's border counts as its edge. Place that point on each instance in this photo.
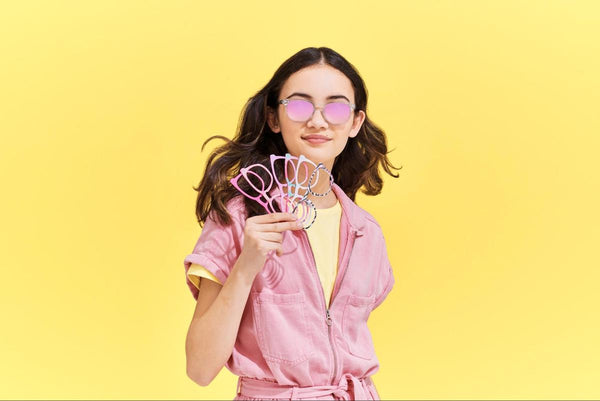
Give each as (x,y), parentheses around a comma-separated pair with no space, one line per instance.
(271,236)
(279,216)
(277,222)
(264,233)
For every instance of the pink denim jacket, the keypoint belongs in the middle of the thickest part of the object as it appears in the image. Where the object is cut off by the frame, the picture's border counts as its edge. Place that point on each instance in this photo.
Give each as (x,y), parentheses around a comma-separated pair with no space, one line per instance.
(289,345)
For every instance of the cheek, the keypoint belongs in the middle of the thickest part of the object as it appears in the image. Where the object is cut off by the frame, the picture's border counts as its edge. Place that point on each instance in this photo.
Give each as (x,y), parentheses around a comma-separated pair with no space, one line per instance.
(342,141)
(341,145)
(290,129)
(290,138)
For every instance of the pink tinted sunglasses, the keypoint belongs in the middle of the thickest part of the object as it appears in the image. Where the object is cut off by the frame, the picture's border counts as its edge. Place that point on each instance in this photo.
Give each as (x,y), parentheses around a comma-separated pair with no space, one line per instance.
(300,110)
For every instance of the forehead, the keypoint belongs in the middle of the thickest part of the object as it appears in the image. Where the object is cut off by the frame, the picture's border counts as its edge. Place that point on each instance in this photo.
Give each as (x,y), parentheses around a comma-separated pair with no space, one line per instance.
(318,81)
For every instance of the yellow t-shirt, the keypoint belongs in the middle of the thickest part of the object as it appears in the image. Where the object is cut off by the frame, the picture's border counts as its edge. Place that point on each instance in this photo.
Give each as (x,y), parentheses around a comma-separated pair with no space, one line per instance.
(324,238)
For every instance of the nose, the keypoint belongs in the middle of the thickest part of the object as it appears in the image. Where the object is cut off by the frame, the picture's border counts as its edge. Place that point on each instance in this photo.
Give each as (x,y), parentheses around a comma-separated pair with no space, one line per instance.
(317,120)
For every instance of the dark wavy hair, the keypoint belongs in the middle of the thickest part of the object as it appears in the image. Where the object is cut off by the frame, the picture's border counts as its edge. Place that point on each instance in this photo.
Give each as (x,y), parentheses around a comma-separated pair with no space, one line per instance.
(355,167)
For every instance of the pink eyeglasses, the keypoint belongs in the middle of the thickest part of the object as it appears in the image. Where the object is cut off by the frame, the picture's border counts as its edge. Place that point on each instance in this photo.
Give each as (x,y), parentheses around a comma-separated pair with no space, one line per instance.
(293,194)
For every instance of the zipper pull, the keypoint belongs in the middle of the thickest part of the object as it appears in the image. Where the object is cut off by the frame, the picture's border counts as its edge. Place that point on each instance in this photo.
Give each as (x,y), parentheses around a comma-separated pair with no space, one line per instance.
(328,318)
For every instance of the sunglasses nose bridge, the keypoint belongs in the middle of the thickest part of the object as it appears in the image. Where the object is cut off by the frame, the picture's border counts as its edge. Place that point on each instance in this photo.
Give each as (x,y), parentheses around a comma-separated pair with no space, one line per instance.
(321,112)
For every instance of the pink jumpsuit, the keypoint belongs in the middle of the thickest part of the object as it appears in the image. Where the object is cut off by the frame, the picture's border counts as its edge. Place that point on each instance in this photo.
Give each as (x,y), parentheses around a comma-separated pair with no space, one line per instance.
(289,344)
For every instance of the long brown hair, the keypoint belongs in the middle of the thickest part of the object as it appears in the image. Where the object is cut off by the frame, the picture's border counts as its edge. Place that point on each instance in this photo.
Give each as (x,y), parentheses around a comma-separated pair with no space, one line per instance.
(355,167)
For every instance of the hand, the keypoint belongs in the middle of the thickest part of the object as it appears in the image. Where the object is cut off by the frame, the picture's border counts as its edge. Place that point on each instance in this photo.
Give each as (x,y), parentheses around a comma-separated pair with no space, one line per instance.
(263,234)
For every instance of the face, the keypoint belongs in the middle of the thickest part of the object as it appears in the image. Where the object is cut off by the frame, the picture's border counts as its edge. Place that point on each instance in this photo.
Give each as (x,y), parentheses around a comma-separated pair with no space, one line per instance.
(318,82)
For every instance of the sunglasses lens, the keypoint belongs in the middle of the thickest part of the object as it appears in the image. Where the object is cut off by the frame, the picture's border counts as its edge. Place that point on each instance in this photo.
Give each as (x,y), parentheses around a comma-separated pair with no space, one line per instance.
(299,110)
(337,113)
(302,110)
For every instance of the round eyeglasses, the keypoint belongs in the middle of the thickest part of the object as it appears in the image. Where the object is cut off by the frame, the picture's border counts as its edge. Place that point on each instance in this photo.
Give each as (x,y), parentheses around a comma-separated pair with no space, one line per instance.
(302,110)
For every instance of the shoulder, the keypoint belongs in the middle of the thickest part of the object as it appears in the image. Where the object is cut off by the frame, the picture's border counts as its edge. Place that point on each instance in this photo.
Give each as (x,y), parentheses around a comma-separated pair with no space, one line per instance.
(236,209)
(370,219)
(370,222)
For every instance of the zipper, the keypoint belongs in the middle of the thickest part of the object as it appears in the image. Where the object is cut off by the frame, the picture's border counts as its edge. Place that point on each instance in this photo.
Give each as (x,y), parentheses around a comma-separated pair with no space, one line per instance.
(328,318)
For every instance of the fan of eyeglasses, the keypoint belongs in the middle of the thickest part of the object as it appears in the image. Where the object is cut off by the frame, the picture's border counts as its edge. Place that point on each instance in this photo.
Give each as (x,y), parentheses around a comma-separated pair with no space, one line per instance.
(294,188)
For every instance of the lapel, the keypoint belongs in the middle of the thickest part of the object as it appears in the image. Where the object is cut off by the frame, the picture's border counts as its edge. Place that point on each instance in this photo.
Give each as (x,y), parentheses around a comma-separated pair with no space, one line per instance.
(351,213)
(352,224)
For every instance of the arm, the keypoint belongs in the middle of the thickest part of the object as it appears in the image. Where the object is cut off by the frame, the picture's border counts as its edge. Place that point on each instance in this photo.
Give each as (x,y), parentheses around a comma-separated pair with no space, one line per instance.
(215,324)
(213,330)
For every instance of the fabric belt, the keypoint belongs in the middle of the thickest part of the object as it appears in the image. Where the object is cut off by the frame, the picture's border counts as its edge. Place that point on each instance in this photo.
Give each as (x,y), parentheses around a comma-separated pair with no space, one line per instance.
(349,388)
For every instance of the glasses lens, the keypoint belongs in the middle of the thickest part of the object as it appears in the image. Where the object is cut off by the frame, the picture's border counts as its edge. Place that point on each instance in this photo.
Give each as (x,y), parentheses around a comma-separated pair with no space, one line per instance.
(254,181)
(337,112)
(299,110)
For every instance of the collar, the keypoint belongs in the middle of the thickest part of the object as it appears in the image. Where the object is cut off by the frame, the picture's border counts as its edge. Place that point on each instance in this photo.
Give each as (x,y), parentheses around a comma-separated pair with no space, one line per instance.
(354,214)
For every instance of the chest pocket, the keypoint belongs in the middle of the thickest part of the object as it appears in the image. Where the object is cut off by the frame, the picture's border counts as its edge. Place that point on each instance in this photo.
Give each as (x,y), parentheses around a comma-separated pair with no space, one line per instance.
(282,327)
(354,326)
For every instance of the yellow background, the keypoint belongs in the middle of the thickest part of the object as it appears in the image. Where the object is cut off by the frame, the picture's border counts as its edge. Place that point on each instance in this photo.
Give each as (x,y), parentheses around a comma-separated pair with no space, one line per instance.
(492,108)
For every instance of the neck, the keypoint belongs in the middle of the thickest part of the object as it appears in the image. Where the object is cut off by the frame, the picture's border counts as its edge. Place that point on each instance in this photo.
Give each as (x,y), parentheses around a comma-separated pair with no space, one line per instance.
(320,184)
(323,202)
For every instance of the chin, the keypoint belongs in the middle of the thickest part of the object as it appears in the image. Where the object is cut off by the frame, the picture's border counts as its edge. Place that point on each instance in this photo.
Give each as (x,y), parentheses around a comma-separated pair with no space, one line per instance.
(314,155)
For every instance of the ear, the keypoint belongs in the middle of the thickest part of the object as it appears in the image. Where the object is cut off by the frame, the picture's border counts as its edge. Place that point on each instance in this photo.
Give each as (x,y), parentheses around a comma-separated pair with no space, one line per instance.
(272,120)
(359,118)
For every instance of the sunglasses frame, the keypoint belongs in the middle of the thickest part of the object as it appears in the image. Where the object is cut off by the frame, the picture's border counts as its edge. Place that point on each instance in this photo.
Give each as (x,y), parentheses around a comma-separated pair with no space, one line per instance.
(285,102)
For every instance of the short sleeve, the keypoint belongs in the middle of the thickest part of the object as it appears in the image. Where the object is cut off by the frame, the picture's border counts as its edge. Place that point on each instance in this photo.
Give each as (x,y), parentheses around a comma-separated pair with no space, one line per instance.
(196,272)
(218,247)
(386,276)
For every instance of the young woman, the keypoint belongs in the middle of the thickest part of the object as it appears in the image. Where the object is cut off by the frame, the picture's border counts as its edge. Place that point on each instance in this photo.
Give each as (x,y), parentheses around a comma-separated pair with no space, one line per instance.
(282,307)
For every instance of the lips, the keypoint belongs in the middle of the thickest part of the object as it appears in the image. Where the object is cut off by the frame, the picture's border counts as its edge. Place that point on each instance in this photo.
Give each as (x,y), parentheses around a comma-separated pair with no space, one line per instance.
(317,137)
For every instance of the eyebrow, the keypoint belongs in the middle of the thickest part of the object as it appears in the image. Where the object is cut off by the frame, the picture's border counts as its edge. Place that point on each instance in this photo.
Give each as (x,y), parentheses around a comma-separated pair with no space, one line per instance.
(310,97)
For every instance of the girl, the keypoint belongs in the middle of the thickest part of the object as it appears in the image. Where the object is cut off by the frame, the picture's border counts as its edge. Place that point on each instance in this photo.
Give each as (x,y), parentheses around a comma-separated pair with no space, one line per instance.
(282,307)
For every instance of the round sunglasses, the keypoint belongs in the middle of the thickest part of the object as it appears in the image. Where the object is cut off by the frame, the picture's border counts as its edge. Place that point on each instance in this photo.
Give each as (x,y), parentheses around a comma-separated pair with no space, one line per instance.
(302,110)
